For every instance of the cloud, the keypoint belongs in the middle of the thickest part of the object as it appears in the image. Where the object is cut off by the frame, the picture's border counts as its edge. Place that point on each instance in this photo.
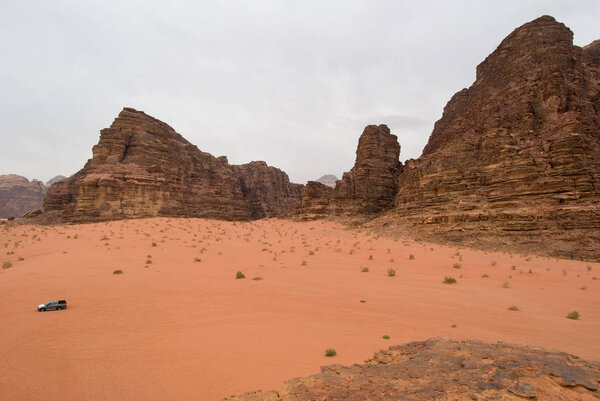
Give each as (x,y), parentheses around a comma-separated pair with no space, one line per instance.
(291,83)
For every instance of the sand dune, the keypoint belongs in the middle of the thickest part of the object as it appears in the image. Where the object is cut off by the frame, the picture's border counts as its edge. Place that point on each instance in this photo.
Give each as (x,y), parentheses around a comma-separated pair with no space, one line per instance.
(178,325)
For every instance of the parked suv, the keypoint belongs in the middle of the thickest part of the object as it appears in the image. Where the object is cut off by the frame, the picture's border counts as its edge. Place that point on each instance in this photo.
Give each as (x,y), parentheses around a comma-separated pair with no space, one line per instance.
(53,305)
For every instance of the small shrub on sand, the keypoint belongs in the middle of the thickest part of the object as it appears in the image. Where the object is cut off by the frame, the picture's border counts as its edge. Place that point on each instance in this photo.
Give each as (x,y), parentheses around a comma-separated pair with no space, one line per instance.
(506,284)
(362,301)
(573,315)
(391,272)
(304,263)
(6,264)
(411,256)
(330,352)
(154,244)
(20,259)
(257,278)
(370,257)
(485,275)
(148,261)
(239,275)
(589,268)
(364,270)
(197,260)
(493,263)
(514,307)
(386,337)
(118,271)
(457,266)
(449,280)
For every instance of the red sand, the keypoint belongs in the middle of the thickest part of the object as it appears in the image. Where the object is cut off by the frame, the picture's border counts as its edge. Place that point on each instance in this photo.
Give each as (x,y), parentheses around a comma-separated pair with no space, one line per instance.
(179,329)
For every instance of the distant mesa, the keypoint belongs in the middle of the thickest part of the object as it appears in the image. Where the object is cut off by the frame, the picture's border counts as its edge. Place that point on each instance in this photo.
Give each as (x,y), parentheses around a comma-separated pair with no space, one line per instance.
(55,179)
(18,195)
(328,179)
(514,161)
(141,167)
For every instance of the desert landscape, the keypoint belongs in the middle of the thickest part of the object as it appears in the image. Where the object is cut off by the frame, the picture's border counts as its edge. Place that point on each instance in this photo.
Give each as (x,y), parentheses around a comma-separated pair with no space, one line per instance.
(470,272)
(176,323)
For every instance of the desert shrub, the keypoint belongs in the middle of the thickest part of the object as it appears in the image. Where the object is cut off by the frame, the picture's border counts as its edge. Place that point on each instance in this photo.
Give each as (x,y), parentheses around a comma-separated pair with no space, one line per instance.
(449,280)
(485,275)
(239,274)
(493,263)
(364,269)
(370,257)
(6,264)
(573,315)
(330,352)
(514,307)
(589,268)
(391,272)
(197,260)
(506,284)
(386,337)
(20,259)
(257,278)
(453,325)
(154,244)
(457,265)
(304,263)
(118,271)
(411,256)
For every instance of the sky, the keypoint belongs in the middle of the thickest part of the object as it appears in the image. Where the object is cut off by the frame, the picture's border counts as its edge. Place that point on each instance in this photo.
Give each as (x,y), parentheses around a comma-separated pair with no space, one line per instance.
(292,83)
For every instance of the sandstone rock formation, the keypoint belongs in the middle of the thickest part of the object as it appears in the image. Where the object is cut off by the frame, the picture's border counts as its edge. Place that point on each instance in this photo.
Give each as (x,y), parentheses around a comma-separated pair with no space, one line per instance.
(368,188)
(445,369)
(514,161)
(328,179)
(515,158)
(141,167)
(18,195)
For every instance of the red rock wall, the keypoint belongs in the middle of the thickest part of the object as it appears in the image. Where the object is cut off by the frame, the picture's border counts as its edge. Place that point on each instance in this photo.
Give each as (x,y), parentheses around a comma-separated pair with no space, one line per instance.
(142,168)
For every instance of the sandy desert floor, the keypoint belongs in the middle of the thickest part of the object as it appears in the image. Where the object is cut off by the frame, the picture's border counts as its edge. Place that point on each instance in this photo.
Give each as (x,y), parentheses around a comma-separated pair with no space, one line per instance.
(178,325)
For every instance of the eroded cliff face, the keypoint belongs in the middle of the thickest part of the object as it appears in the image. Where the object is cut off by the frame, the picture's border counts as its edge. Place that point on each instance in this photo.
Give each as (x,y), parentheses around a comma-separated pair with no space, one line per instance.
(141,167)
(367,189)
(514,161)
(515,158)
(18,195)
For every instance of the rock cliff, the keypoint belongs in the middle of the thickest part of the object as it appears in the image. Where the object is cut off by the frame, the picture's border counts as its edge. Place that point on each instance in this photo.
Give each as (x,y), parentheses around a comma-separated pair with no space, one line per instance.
(141,167)
(514,161)
(515,158)
(18,195)
(367,189)
(446,369)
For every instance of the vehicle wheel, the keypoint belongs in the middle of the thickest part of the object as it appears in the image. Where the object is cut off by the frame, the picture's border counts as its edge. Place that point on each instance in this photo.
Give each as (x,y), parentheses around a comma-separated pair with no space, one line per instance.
(42,310)
(59,308)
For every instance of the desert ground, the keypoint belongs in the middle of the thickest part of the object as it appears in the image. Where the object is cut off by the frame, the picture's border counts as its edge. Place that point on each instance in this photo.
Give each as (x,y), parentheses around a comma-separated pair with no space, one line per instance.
(176,324)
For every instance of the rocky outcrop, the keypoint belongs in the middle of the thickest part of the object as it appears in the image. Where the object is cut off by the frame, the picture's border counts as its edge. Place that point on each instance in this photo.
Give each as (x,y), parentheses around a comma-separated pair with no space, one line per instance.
(515,158)
(446,369)
(367,189)
(141,167)
(19,195)
(328,179)
(513,163)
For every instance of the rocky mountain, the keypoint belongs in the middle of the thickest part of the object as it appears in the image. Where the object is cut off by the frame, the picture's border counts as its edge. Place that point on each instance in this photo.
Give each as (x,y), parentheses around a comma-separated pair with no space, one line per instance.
(368,188)
(514,161)
(18,195)
(328,179)
(446,369)
(141,167)
(55,179)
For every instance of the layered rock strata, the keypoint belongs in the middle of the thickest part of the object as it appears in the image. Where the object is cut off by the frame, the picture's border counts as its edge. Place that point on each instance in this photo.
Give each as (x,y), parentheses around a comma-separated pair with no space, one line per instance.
(445,369)
(141,167)
(515,158)
(514,161)
(18,195)
(367,189)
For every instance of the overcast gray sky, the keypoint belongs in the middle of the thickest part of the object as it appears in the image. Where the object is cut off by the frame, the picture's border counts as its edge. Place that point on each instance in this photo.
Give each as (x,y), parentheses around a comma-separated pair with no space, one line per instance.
(289,82)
